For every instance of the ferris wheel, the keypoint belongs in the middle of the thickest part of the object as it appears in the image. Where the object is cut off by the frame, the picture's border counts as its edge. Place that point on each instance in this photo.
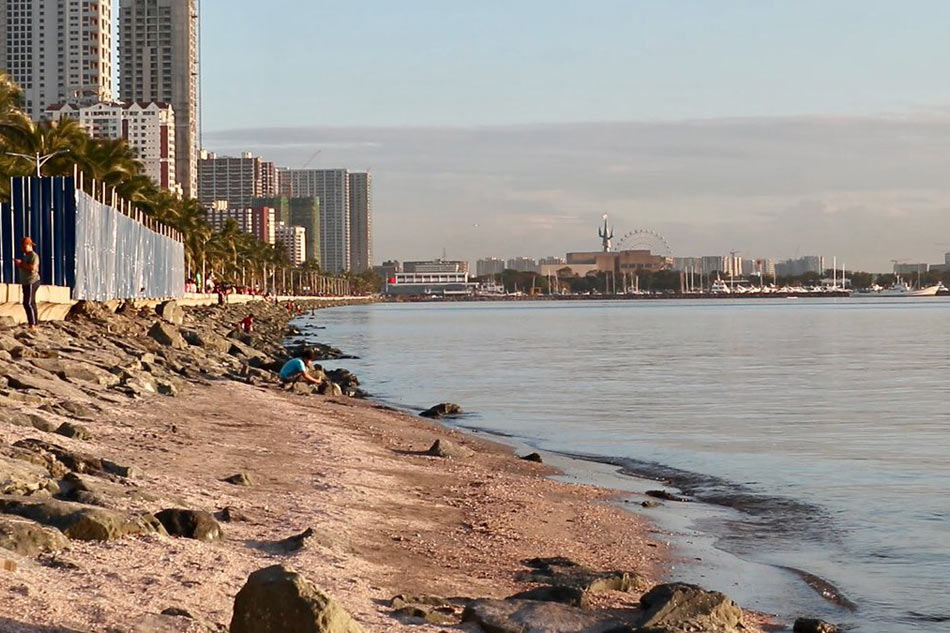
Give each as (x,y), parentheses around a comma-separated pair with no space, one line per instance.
(647,240)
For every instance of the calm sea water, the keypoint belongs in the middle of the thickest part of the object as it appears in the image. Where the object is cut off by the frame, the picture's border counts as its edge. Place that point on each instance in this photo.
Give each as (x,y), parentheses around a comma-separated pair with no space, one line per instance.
(819,429)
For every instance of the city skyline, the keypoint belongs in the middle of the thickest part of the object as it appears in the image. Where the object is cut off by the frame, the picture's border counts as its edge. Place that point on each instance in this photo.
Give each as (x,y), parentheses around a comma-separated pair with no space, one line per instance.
(764,187)
(771,129)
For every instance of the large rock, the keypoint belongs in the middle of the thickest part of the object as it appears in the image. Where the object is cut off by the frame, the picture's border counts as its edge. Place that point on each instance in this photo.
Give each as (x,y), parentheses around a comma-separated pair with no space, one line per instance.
(78,521)
(76,371)
(170,311)
(19,477)
(814,625)
(167,334)
(196,524)
(73,460)
(442,410)
(208,340)
(529,616)
(74,431)
(28,538)
(445,448)
(254,357)
(558,571)
(680,607)
(278,600)
(328,388)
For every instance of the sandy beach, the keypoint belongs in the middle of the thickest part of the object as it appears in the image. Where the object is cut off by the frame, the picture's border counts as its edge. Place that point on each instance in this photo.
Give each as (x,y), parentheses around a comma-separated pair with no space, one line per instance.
(386,521)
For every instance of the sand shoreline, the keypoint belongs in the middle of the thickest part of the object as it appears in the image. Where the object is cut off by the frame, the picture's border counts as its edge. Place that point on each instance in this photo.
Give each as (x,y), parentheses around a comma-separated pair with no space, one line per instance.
(386,518)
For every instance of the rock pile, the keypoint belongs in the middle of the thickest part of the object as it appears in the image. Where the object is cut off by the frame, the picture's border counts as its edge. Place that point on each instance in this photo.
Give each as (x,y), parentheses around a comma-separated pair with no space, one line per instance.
(52,387)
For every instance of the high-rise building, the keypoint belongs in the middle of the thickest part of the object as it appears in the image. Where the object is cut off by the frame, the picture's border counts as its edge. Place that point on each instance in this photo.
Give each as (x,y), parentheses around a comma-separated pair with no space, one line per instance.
(158,61)
(269,182)
(361,221)
(306,213)
(258,221)
(149,129)
(332,187)
(712,264)
(489,266)
(522,264)
(800,266)
(237,180)
(280,204)
(294,239)
(57,51)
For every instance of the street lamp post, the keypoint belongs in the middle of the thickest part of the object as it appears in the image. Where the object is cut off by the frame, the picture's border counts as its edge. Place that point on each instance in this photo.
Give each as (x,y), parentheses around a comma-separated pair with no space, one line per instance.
(41,159)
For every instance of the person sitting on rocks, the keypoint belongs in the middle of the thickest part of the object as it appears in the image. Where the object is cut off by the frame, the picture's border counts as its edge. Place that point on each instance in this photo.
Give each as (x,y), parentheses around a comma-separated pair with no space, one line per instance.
(297,368)
(246,324)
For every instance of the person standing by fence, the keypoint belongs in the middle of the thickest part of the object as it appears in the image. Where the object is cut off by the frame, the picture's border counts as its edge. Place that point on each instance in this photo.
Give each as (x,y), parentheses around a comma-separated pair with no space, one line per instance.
(29,280)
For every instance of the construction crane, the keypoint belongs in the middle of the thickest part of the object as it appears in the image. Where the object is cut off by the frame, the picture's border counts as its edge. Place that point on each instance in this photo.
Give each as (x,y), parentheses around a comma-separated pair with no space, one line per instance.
(312,158)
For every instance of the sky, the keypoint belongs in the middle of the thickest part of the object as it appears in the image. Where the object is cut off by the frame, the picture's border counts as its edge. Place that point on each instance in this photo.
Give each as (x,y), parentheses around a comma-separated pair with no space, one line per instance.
(493,128)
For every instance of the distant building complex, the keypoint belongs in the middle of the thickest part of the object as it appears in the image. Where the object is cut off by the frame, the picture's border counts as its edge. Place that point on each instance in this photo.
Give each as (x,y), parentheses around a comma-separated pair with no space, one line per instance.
(149,129)
(294,240)
(258,221)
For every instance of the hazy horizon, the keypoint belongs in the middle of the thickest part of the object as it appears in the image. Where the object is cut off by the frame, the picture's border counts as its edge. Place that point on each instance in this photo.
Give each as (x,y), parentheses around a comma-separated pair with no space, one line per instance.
(773,129)
(867,190)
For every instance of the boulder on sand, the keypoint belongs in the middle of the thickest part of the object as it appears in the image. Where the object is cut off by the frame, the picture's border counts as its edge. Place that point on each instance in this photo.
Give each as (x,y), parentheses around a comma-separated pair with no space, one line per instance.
(78,521)
(74,431)
(196,524)
(570,582)
(18,477)
(445,448)
(442,410)
(683,607)
(170,311)
(167,334)
(28,538)
(278,600)
(239,479)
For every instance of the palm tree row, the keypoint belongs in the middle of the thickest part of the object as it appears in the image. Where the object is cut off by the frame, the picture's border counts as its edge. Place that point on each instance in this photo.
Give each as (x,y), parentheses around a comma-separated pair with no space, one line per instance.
(229,254)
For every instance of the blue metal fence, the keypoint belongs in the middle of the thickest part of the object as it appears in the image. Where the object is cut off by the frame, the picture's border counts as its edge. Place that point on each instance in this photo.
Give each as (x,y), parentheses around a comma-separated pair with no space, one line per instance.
(43,209)
(99,250)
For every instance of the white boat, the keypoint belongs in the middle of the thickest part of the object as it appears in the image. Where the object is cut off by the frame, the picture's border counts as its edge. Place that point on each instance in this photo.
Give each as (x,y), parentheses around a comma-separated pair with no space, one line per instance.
(901,289)
(720,287)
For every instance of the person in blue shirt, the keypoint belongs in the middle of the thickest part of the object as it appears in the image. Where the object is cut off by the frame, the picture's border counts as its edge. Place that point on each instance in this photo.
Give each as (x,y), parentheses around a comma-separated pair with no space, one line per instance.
(297,368)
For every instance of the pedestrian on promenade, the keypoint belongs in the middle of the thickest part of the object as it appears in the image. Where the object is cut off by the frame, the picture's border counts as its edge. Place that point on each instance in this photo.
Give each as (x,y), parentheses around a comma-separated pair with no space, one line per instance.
(29,280)
(297,368)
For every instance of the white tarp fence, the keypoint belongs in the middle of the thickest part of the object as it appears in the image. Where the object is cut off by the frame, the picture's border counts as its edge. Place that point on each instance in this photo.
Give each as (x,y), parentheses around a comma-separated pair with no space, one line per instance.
(120,258)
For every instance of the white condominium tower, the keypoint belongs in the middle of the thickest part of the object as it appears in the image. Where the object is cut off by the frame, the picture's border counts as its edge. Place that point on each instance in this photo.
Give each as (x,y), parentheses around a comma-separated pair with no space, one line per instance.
(158,61)
(57,51)
(332,186)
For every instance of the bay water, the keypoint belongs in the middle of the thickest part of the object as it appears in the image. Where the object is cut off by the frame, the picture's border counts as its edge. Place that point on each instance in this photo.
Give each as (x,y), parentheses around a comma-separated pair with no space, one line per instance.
(813,435)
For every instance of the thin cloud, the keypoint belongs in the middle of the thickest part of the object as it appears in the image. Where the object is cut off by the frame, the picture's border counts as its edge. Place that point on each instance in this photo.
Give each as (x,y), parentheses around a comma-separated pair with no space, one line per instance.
(867,189)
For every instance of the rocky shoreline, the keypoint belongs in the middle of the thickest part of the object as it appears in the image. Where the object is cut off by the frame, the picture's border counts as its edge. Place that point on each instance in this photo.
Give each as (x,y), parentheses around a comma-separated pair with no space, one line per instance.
(154,477)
